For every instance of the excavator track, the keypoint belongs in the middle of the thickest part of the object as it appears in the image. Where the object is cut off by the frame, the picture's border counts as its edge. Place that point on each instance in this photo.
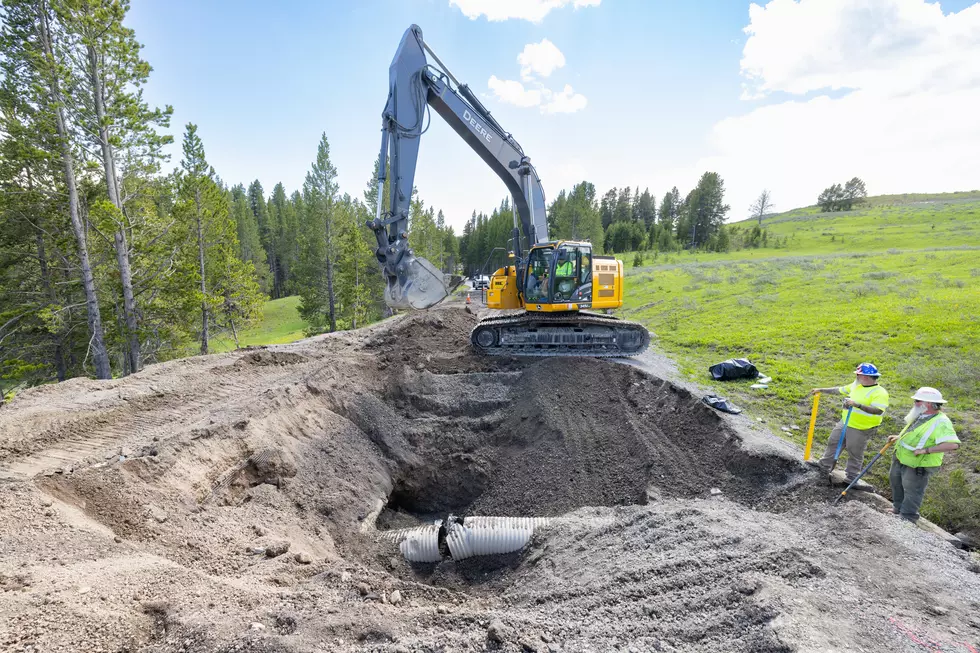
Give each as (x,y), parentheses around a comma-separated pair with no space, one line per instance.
(559,334)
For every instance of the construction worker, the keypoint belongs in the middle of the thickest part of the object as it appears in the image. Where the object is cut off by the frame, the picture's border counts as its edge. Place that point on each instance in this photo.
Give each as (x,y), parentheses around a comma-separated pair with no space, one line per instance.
(868,402)
(919,453)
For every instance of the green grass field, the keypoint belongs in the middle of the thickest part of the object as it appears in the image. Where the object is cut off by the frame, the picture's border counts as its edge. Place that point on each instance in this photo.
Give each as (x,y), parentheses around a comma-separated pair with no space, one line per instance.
(896,284)
(280,324)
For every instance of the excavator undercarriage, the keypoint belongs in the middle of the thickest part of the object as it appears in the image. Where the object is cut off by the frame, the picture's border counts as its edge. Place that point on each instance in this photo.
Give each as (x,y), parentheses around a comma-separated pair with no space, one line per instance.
(573,333)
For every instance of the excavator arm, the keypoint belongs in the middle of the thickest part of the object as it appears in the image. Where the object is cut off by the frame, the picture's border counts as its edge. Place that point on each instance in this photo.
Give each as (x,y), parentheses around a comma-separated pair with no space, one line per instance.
(415,85)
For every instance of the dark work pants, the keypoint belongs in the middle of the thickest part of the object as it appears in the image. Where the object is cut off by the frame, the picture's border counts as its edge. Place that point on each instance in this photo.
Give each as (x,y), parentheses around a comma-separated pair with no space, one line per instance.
(908,487)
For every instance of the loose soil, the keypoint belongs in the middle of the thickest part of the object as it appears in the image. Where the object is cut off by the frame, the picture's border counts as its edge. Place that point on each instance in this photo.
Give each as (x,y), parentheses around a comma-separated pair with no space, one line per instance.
(234,503)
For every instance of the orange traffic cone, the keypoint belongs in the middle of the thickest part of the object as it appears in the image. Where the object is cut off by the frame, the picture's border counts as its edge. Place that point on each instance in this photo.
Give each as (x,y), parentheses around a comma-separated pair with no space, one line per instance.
(467,298)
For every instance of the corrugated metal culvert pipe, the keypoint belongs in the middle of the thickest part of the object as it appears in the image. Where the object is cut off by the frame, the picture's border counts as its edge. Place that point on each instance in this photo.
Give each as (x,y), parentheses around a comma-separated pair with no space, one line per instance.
(472,536)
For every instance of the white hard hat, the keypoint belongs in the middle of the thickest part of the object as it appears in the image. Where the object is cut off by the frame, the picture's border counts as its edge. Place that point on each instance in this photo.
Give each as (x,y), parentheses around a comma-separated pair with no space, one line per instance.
(931,395)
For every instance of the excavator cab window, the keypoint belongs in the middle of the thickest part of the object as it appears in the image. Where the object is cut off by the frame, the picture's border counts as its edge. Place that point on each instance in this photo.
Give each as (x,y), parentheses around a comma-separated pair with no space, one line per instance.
(537,286)
(573,274)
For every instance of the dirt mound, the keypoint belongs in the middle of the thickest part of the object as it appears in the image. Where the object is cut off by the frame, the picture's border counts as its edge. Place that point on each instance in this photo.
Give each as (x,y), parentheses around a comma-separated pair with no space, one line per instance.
(232,502)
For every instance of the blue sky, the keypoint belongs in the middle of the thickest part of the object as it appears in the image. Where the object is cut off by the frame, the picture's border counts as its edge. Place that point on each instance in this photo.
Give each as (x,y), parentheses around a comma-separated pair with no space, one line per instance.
(670,89)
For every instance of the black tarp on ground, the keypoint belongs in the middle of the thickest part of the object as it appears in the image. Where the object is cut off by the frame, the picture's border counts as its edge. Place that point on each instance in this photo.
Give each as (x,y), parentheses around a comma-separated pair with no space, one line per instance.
(722,404)
(733,368)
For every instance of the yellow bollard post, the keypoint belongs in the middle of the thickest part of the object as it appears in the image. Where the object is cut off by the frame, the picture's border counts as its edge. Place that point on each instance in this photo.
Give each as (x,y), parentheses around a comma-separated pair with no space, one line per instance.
(813,422)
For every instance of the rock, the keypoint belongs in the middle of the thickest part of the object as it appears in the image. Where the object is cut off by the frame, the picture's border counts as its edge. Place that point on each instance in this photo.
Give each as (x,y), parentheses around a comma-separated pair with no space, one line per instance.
(527,645)
(49,512)
(255,550)
(345,577)
(937,610)
(156,513)
(715,491)
(260,530)
(784,428)
(46,502)
(970,540)
(392,563)
(277,548)
(304,558)
(497,631)
(256,626)
(363,589)
(156,606)
(443,609)
(85,590)
(395,598)
(117,539)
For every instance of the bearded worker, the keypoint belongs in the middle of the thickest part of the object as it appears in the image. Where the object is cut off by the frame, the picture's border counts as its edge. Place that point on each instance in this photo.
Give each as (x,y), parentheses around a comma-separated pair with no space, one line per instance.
(919,453)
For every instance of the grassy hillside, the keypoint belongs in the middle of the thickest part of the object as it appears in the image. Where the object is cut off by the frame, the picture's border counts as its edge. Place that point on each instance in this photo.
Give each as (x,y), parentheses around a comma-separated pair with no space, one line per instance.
(896,283)
(280,324)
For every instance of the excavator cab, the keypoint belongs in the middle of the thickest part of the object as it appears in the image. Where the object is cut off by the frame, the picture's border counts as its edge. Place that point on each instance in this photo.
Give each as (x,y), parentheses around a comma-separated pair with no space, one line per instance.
(559,274)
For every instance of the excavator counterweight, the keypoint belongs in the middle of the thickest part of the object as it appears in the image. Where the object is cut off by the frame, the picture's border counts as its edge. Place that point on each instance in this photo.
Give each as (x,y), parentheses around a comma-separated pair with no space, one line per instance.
(552,283)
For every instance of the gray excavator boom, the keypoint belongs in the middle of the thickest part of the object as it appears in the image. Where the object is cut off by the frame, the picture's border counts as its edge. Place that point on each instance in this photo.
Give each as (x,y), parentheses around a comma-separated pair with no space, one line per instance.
(414,85)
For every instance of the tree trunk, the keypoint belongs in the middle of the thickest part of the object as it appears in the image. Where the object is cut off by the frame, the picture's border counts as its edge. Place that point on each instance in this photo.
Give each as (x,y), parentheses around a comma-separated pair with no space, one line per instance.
(99,354)
(131,333)
(357,296)
(330,296)
(204,288)
(234,332)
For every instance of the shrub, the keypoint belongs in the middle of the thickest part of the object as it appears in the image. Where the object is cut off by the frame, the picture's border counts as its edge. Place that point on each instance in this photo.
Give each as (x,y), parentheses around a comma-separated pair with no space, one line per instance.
(952,502)
(880,274)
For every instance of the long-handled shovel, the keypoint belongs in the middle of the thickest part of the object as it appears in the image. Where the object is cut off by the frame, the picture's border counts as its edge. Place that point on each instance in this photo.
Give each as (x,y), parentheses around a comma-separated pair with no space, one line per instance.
(840,443)
(873,461)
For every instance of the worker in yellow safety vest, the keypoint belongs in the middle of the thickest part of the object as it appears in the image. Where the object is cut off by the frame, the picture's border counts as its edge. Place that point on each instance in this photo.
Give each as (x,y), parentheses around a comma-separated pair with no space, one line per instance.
(868,402)
(919,453)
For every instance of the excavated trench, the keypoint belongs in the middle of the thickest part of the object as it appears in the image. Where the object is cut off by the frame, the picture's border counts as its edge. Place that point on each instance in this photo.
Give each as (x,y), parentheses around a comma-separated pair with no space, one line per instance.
(559,435)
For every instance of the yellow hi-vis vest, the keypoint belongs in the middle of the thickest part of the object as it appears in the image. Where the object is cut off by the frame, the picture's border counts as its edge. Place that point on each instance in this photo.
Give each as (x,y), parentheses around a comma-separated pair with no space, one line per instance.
(872,395)
(935,430)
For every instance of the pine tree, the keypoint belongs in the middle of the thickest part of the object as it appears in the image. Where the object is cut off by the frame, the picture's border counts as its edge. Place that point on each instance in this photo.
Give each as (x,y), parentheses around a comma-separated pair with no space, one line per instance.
(624,207)
(669,210)
(705,210)
(250,247)
(607,208)
(195,178)
(318,306)
(646,209)
(33,46)
(108,77)
(267,232)
(356,265)
(228,293)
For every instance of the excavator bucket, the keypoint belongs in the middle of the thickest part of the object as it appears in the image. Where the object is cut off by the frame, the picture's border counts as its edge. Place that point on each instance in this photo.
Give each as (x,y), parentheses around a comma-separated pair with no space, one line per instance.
(419,285)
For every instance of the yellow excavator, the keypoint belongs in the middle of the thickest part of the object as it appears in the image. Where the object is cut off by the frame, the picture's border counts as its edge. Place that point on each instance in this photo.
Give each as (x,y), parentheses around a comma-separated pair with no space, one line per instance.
(550,295)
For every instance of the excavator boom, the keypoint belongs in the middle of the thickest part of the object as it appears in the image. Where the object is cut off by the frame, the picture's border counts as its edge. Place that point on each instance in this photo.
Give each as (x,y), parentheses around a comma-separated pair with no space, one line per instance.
(414,86)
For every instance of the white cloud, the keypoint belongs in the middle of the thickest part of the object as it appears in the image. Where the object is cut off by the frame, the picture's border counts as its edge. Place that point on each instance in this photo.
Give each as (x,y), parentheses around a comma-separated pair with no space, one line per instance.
(907,123)
(565,102)
(513,92)
(888,45)
(540,59)
(530,10)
